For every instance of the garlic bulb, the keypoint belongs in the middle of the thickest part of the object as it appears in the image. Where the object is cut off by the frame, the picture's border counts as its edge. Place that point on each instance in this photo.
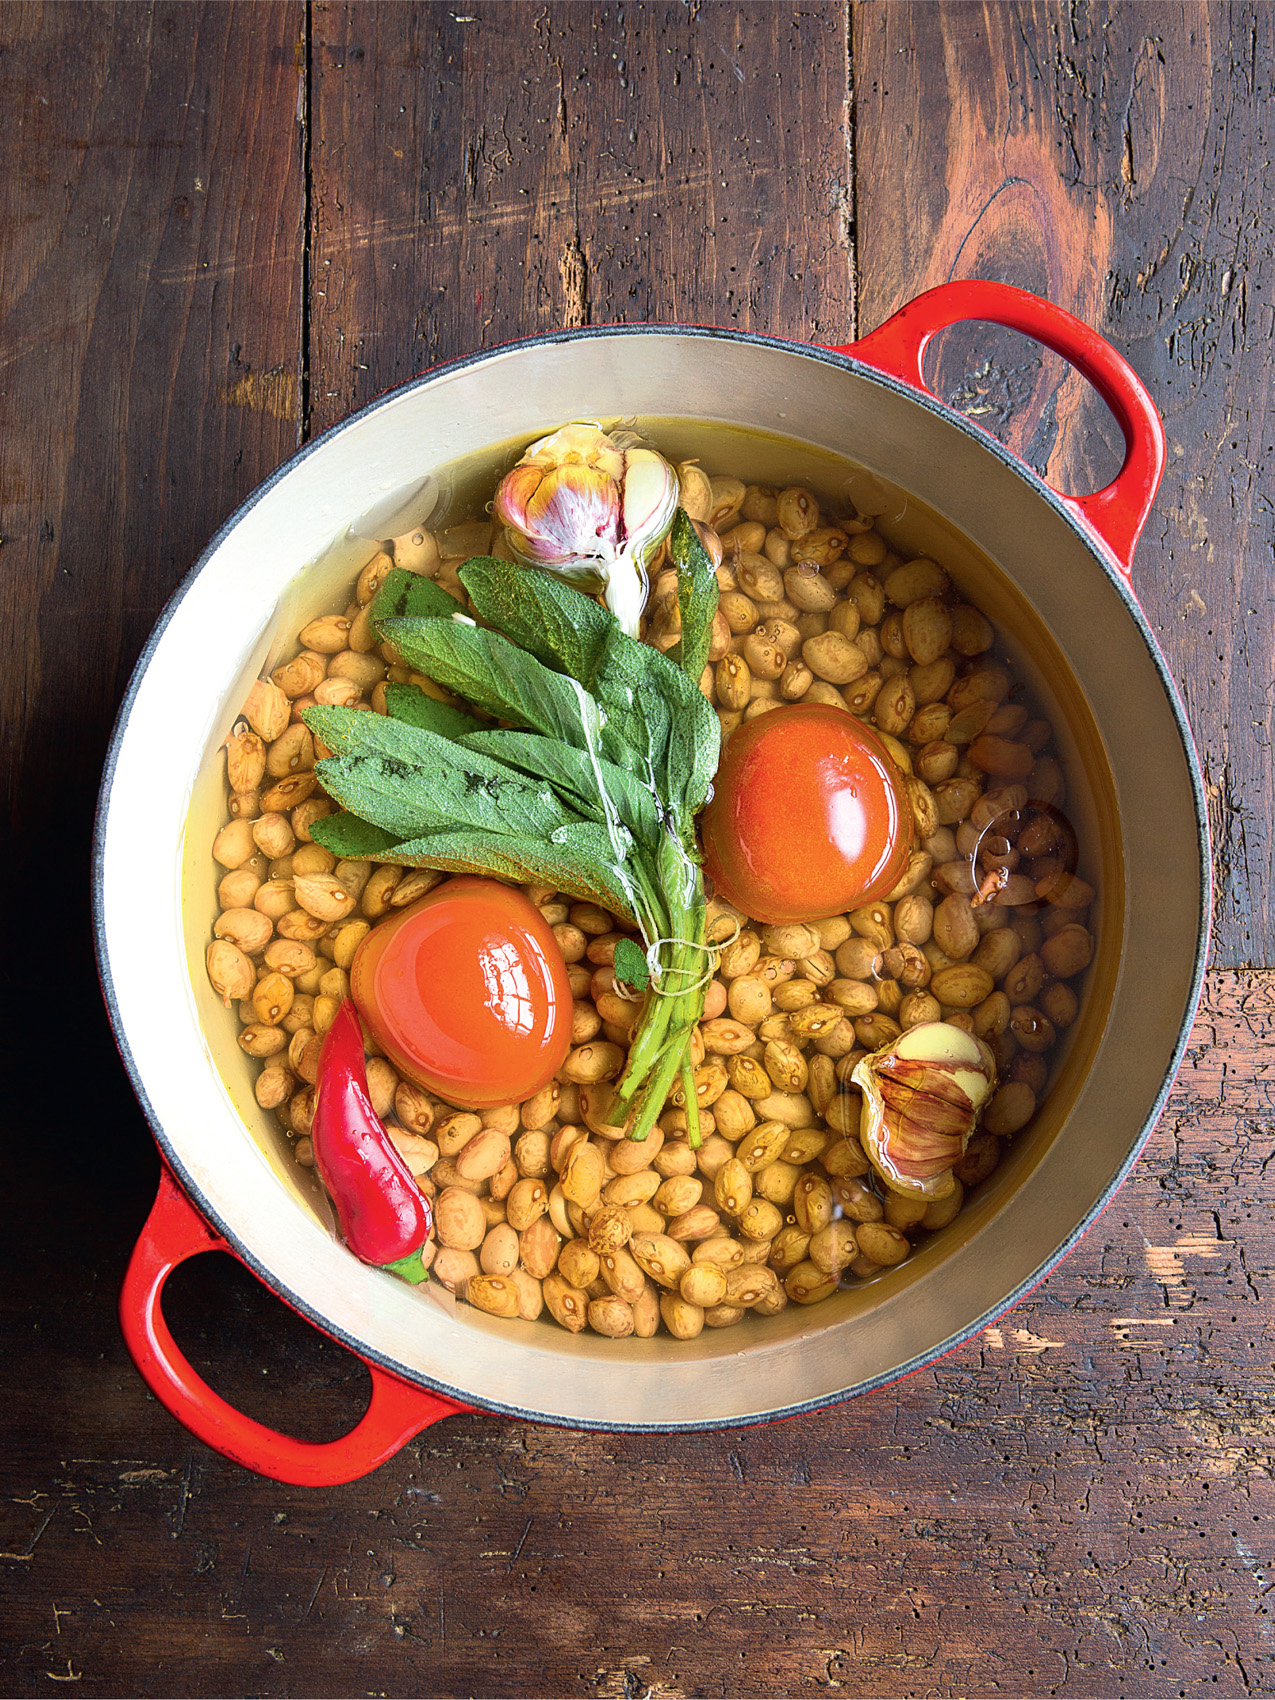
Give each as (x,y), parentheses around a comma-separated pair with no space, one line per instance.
(922,1096)
(589,505)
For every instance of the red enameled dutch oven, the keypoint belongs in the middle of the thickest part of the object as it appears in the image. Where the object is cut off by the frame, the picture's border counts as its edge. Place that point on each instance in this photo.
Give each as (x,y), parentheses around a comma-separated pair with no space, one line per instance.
(1051,571)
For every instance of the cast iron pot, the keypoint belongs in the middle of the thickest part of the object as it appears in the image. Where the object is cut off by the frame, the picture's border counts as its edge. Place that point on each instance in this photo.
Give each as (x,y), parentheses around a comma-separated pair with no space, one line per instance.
(1053,573)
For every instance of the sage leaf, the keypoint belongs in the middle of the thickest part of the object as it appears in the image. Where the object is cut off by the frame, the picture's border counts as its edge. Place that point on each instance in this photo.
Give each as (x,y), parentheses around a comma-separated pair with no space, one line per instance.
(353,839)
(695,739)
(526,860)
(411,781)
(494,674)
(557,624)
(410,704)
(696,597)
(665,717)
(588,781)
(404,593)
(463,794)
(636,711)
(630,965)
(590,840)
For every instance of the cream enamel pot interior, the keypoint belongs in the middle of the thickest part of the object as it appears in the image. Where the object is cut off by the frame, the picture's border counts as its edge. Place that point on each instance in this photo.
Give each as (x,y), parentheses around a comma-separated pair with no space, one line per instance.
(1050,571)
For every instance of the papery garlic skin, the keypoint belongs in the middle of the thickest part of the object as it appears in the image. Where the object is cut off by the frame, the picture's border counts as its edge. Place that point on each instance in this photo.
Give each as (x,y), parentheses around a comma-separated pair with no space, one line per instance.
(923,1094)
(587,505)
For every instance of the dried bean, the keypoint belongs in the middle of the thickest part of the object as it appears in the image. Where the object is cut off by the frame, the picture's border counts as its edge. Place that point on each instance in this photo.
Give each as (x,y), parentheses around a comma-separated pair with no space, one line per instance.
(567,1305)
(884,1244)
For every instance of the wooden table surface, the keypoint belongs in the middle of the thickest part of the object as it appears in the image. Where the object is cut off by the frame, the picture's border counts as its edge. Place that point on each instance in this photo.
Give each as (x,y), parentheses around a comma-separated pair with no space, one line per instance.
(224,226)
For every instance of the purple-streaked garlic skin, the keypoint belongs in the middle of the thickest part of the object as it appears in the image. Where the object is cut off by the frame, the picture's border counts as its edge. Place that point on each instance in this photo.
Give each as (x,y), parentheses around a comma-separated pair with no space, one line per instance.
(923,1094)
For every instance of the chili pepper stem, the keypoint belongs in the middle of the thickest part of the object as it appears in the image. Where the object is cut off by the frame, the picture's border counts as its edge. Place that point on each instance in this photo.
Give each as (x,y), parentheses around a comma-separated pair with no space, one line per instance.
(410,1268)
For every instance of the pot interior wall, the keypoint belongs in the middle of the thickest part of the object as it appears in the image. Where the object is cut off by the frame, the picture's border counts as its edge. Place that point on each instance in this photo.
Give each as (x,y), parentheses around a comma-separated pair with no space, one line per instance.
(1071,638)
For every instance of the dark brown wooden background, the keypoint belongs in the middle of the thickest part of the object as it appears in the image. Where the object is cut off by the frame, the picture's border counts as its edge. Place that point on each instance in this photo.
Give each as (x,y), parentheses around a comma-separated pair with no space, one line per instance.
(221,227)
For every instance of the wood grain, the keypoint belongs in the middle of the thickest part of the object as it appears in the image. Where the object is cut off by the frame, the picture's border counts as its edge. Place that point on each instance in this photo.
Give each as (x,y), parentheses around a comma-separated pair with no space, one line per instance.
(1079,1502)
(518,167)
(1112,158)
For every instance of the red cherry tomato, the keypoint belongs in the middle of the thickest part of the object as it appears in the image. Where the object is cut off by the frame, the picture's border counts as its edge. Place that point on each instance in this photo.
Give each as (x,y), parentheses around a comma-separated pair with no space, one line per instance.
(809,816)
(466,992)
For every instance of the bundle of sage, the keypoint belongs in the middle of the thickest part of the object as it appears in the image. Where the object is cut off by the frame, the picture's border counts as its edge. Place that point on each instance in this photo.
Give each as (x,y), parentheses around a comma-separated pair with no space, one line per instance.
(580,761)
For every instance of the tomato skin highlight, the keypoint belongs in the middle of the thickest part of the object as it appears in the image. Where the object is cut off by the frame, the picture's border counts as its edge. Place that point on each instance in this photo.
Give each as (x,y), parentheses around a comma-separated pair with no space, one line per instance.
(467,994)
(809,816)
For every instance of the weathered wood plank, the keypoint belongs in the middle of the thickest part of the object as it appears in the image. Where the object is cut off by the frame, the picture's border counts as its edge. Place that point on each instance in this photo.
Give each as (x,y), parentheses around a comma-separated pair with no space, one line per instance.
(1115,159)
(150,342)
(150,271)
(150,302)
(1081,1502)
(515,167)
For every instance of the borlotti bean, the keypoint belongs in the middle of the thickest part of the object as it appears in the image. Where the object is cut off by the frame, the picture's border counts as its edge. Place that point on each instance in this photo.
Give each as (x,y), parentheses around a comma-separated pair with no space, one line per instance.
(544,1212)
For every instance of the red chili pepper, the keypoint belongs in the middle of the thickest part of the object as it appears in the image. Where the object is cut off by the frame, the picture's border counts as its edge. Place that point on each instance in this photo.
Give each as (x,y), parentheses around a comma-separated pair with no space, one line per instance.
(385,1219)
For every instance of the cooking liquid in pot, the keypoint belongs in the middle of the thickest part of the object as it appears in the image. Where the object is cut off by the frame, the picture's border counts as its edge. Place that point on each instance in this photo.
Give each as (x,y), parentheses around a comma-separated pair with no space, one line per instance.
(757,1207)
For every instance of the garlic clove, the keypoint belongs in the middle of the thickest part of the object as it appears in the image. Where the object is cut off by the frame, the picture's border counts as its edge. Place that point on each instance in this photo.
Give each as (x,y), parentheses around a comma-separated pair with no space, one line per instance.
(650,497)
(562,514)
(923,1094)
(516,489)
(574,511)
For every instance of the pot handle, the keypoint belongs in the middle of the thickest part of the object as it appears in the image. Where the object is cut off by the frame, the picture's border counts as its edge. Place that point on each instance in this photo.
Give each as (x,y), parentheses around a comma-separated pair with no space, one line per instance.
(1117,513)
(175,1231)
